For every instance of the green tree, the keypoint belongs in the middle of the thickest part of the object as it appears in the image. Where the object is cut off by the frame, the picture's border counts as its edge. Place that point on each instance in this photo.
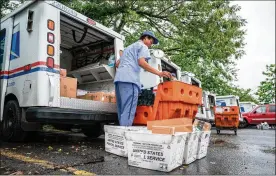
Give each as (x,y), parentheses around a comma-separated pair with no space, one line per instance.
(266,91)
(244,94)
(203,37)
(7,6)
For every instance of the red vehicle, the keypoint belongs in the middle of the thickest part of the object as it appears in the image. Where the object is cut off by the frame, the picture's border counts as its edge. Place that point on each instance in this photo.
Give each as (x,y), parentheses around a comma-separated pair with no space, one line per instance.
(260,114)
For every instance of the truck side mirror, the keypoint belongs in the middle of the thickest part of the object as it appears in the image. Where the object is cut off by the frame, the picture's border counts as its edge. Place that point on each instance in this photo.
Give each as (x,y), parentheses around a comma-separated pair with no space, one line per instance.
(158,53)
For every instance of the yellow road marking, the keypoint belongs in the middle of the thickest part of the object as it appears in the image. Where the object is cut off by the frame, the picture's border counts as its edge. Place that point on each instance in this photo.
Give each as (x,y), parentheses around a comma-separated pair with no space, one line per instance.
(44,163)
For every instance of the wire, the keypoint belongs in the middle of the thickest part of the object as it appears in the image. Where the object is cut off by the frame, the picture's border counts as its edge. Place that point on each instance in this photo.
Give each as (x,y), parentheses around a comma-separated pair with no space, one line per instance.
(82,37)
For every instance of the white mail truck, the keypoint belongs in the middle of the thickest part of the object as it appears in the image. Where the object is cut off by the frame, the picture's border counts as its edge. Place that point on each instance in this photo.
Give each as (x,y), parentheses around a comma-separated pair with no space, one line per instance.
(39,38)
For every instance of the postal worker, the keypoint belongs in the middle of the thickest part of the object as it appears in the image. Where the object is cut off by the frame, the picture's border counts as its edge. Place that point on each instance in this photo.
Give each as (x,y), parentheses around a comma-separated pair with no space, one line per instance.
(127,78)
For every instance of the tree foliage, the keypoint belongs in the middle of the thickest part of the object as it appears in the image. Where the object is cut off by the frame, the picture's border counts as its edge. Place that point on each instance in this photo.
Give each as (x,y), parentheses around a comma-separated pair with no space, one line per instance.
(266,91)
(244,95)
(203,37)
(7,6)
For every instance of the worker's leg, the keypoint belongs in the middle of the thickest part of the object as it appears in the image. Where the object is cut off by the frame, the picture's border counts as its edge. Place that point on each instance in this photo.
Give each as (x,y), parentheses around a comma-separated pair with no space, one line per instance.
(128,98)
(118,101)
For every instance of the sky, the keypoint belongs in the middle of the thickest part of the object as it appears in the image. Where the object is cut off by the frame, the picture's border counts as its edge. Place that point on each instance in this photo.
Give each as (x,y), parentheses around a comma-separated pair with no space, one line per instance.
(260,39)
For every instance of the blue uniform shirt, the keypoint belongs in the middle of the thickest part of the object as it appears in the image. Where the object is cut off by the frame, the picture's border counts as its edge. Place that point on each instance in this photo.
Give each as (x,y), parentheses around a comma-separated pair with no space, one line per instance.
(129,69)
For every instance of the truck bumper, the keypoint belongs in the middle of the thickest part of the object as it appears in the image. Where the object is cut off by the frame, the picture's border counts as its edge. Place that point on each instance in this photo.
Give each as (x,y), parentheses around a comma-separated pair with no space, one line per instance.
(68,116)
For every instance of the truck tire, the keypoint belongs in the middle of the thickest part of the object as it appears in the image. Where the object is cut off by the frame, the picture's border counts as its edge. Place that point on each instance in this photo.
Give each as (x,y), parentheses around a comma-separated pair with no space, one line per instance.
(11,125)
(92,131)
(63,127)
(243,124)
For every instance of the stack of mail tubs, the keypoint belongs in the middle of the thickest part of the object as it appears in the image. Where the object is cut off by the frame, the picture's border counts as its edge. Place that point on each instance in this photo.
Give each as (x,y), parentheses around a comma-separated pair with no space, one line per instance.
(163,145)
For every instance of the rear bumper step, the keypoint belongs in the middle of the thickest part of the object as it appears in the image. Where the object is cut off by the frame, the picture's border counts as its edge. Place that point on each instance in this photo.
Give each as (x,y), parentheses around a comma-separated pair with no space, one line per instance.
(68,116)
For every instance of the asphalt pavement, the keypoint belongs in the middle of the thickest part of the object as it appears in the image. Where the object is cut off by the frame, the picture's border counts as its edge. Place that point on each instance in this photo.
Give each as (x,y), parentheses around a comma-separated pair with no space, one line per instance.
(252,151)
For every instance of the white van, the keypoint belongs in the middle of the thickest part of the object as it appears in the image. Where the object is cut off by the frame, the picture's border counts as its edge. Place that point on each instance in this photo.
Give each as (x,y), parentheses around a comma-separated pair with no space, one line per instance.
(247,106)
(38,39)
(206,110)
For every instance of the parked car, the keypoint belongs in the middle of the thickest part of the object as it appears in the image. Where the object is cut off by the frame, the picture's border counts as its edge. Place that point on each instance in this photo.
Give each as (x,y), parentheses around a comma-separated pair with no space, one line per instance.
(260,114)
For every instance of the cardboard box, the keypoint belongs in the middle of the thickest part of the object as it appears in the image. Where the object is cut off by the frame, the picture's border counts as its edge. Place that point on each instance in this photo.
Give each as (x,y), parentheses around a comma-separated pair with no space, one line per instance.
(88,96)
(183,128)
(171,129)
(68,87)
(169,122)
(163,130)
(104,97)
(201,125)
(63,72)
(198,124)
(98,96)
(109,97)
(207,126)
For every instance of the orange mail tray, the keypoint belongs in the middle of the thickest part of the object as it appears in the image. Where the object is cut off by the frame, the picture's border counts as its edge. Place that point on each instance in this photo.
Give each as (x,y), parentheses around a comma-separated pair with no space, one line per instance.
(173,99)
(227,117)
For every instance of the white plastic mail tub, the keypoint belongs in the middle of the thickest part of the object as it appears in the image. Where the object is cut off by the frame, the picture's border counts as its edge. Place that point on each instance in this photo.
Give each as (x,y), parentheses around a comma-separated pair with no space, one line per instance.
(115,140)
(162,152)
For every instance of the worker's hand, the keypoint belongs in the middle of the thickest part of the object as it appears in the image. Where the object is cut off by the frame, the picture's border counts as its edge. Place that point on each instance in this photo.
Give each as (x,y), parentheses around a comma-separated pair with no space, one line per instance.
(165,74)
(117,63)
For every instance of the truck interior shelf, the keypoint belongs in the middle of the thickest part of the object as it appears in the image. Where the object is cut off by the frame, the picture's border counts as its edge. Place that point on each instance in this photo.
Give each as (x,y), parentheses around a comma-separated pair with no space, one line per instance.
(73,103)
(93,73)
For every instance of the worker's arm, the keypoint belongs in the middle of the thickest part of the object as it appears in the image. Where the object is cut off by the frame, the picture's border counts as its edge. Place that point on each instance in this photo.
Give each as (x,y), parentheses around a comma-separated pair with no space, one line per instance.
(142,63)
(117,63)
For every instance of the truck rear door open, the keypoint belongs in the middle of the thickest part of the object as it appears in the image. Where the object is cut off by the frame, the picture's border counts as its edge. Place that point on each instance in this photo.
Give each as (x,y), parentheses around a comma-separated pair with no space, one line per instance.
(5,39)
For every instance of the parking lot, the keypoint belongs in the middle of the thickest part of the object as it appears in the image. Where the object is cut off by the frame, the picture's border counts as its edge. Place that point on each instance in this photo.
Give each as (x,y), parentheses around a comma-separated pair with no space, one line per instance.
(252,151)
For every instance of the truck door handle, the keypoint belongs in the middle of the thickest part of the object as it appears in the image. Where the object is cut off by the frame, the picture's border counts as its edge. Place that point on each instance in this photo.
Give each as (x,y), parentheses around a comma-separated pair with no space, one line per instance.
(263,114)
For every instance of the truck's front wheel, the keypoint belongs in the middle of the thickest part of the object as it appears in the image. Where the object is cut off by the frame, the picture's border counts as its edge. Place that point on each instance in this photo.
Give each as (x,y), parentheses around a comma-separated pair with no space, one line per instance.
(92,131)
(11,125)
(243,124)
